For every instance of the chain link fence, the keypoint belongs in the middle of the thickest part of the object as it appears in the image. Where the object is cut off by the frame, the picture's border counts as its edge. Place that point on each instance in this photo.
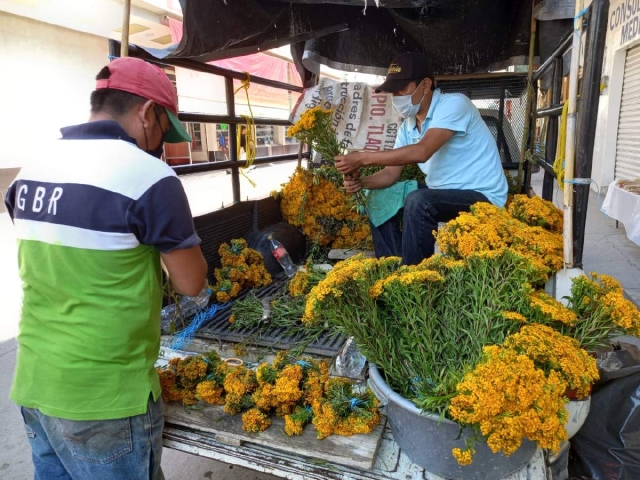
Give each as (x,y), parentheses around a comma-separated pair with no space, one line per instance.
(502,102)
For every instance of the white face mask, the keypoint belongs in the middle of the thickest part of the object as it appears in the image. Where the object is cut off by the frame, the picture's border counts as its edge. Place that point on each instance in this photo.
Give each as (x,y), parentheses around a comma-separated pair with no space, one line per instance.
(404,106)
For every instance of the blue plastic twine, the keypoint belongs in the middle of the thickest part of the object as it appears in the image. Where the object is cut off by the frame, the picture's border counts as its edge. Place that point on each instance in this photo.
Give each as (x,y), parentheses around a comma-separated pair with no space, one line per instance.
(186,335)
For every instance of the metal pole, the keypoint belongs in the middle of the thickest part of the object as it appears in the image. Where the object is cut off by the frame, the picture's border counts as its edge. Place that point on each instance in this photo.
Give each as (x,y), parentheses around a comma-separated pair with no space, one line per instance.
(300,145)
(570,151)
(552,129)
(126,16)
(560,50)
(553,110)
(206,118)
(531,98)
(233,139)
(502,144)
(197,66)
(589,102)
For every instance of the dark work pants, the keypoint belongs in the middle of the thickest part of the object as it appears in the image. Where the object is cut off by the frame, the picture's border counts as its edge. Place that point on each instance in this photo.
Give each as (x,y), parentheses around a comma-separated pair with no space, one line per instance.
(423,210)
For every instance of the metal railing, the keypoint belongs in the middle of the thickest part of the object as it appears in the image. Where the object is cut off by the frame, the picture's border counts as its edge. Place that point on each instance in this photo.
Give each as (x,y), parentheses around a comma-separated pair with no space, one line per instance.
(587,118)
(554,63)
(233,120)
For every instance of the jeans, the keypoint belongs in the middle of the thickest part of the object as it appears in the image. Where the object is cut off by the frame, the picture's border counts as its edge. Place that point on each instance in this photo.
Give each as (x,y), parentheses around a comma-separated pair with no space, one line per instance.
(422,211)
(122,449)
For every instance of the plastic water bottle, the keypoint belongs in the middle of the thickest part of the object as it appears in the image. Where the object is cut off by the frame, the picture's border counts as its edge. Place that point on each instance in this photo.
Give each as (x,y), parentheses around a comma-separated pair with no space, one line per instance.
(350,362)
(189,306)
(283,257)
(436,247)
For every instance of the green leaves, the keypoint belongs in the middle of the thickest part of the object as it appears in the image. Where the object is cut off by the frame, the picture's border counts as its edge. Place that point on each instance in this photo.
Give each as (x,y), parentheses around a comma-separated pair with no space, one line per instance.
(424,336)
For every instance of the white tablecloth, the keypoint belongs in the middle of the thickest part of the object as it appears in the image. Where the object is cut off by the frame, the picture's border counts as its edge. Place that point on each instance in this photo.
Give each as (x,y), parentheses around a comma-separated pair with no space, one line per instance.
(625,207)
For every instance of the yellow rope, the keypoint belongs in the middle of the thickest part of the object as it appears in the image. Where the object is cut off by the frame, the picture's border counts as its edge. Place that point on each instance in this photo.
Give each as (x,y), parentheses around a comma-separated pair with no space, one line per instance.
(558,164)
(250,147)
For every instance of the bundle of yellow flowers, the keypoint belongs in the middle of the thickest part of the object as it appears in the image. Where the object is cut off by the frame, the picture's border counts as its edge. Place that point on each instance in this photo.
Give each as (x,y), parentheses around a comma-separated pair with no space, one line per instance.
(287,390)
(242,267)
(294,423)
(487,228)
(313,199)
(602,311)
(239,385)
(323,212)
(193,378)
(255,421)
(300,391)
(315,129)
(550,309)
(342,288)
(507,399)
(282,385)
(211,392)
(518,390)
(305,279)
(345,412)
(551,350)
(536,212)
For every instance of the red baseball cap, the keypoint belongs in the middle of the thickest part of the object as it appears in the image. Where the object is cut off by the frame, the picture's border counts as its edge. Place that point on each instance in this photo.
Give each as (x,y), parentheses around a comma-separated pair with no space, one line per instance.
(148,81)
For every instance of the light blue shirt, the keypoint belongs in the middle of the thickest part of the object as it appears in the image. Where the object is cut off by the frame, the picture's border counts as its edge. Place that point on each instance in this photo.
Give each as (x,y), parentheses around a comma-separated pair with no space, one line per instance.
(470,159)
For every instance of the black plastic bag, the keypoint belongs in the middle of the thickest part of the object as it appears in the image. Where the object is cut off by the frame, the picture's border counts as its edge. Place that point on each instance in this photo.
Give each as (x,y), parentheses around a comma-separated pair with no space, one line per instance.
(607,447)
(290,237)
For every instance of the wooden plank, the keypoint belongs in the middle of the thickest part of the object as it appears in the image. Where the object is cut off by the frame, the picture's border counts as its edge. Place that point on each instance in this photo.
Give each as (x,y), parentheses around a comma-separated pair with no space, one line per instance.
(358,451)
(344,253)
(391,463)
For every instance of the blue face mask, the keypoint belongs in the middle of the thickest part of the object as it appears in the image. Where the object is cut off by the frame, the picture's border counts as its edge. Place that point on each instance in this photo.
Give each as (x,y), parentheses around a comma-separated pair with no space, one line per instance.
(404,105)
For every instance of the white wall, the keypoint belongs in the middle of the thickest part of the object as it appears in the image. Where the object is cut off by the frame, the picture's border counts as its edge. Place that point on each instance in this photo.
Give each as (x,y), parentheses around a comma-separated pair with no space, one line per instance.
(46,76)
(205,93)
(200,92)
(604,153)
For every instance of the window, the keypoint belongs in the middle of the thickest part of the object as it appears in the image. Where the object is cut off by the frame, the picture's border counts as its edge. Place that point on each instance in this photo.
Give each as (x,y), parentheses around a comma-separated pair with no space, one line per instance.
(264,134)
(171,73)
(196,136)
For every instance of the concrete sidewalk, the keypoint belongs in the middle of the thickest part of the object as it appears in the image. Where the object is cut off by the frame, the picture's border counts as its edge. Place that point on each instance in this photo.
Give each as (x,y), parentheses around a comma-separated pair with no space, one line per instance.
(606,248)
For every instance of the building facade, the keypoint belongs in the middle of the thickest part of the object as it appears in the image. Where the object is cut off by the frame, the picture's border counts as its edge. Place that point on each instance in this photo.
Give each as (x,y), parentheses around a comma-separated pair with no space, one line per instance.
(617,144)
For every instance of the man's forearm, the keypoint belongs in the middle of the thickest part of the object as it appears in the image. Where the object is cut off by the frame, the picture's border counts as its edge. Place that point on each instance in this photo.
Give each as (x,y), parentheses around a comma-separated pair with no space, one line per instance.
(408,155)
(382,179)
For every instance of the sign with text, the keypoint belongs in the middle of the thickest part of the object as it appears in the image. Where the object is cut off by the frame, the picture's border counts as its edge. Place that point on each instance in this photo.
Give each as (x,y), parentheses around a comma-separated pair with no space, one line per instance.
(363,119)
(624,18)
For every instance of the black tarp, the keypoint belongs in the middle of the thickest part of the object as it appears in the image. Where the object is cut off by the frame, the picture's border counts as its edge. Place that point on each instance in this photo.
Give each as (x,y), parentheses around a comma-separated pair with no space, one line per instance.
(461,36)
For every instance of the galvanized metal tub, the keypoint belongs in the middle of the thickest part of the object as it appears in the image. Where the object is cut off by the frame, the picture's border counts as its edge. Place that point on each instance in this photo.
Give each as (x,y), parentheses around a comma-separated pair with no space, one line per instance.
(428,440)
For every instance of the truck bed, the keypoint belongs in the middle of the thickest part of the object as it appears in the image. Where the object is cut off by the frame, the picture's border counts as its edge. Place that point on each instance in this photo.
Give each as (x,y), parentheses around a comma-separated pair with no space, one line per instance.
(389,463)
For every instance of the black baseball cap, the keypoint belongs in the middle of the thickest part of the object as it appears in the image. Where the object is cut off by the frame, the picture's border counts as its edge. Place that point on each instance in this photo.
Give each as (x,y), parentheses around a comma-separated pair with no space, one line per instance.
(404,69)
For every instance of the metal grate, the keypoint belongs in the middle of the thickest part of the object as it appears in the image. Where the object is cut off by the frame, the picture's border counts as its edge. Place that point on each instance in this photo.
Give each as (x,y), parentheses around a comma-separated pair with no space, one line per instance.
(217,329)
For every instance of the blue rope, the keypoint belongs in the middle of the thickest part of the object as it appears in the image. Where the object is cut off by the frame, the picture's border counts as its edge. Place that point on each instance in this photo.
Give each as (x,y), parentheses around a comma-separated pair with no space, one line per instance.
(186,335)
(580,14)
(355,402)
(303,364)
(588,181)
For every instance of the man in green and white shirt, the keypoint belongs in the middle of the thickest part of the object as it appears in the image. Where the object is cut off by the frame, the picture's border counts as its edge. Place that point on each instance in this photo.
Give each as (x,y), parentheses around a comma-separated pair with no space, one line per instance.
(93,221)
